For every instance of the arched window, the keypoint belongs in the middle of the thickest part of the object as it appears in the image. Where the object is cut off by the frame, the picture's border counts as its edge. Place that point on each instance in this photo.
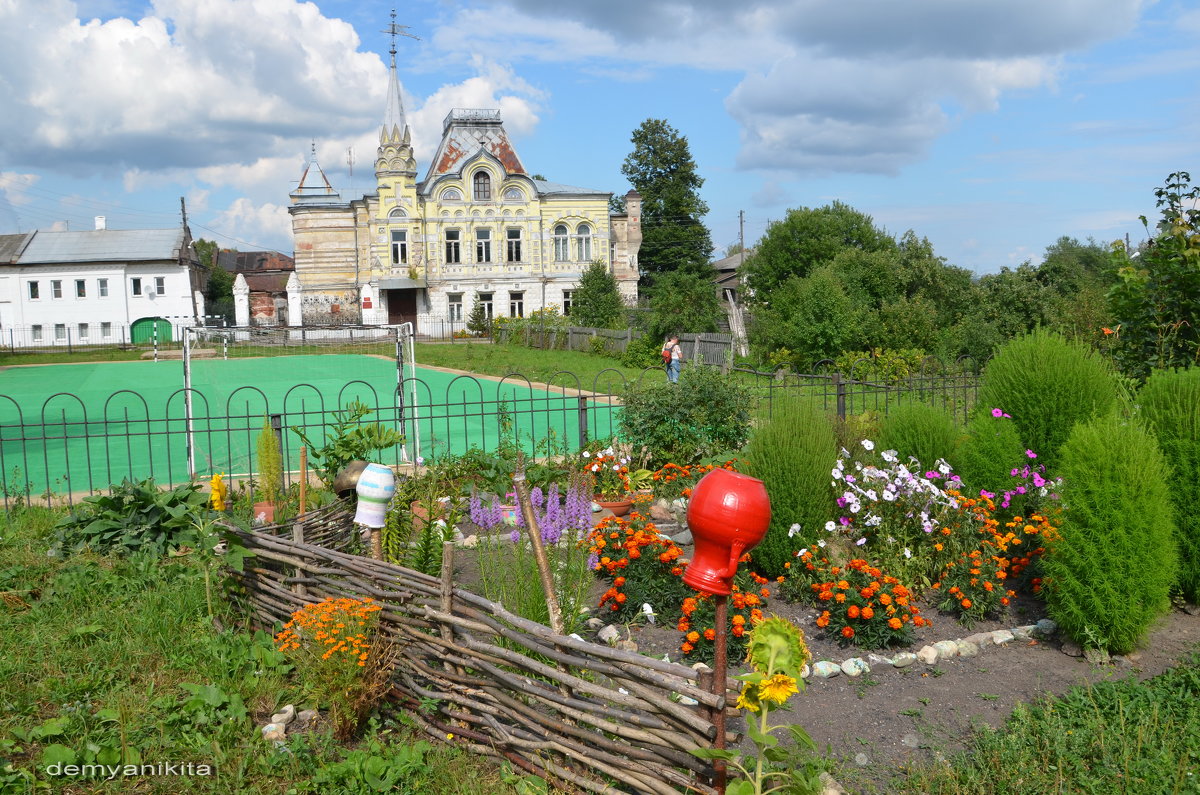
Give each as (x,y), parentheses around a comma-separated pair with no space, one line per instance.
(583,243)
(451,195)
(483,186)
(514,194)
(561,251)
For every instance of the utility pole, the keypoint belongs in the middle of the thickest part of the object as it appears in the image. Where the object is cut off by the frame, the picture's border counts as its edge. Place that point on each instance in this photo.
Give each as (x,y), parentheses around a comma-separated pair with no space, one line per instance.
(742,235)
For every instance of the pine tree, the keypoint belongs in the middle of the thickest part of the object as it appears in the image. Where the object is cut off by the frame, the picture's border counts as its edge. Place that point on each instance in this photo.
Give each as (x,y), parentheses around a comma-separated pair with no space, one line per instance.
(662,170)
(597,302)
(478,321)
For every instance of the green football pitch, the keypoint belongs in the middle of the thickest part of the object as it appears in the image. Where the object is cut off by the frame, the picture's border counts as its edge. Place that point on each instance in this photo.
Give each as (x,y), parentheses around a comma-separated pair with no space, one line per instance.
(81,427)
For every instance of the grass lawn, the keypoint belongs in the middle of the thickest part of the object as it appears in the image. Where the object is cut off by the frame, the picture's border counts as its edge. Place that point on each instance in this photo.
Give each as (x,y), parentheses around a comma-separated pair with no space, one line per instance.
(108,660)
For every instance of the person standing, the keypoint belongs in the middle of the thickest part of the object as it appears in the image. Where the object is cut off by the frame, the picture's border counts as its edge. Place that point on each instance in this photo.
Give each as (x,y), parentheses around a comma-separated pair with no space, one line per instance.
(673,357)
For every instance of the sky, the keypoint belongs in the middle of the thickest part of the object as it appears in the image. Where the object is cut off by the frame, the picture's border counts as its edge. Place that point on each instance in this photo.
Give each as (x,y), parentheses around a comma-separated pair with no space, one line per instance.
(991,127)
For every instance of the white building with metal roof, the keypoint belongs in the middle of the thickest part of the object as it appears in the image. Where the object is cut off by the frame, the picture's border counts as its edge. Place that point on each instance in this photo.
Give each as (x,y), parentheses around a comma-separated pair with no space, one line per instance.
(105,286)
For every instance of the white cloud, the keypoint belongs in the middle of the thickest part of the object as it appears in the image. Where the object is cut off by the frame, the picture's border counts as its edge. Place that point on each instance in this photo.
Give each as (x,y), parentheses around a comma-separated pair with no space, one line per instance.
(245,223)
(15,186)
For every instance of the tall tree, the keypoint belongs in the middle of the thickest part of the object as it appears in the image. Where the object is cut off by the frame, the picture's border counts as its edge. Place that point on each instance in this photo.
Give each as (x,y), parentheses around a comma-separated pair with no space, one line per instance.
(683,302)
(597,303)
(662,170)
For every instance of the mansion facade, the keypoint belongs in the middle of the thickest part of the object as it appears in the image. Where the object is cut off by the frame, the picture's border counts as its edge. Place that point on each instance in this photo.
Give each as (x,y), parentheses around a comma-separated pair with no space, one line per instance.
(477,227)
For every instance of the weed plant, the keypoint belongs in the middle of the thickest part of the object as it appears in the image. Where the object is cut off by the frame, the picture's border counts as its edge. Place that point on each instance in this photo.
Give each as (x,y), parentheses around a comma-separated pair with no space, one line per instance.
(919,430)
(1170,403)
(1109,573)
(1047,384)
(791,453)
(1112,737)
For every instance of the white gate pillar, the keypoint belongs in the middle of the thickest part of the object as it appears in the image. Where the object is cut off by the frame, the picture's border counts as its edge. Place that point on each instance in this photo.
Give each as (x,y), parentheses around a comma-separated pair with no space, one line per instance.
(294,293)
(241,301)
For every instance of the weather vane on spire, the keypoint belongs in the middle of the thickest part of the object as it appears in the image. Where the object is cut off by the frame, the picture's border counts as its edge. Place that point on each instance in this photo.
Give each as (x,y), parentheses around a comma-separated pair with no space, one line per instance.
(395,30)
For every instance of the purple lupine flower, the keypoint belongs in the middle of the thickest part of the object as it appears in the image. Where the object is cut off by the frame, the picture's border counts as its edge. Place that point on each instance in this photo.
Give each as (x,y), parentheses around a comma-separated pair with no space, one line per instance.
(476,507)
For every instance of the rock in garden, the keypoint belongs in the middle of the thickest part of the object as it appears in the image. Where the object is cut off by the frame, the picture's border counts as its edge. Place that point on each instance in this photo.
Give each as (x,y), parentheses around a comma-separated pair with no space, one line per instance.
(806,671)
(1046,627)
(305,719)
(980,639)
(470,542)
(855,666)
(1025,632)
(627,645)
(829,785)
(904,659)
(1002,636)
(701,667)
(1071,648)
(862,760)
(910,740)
(966,648)
(927,655)
(661,511)
(609,634)
(595,623)
(1096,656)
(273,732)
(284,716)
(946,649)
(683,538)
(825,669)
(878,659)
(1122,662)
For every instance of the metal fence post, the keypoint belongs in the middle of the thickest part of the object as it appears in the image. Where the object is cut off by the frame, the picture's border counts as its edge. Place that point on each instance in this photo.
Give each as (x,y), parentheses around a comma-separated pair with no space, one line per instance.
(840,388)
(583,423)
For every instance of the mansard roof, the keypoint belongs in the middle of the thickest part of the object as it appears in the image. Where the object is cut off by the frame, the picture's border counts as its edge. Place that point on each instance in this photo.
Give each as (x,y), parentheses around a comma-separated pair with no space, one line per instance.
(465,131)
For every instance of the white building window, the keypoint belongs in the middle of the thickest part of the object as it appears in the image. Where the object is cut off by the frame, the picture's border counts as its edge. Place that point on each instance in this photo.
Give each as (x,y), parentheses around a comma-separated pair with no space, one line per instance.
(483,186)
(583,243)
(56,289)
(483,245)
(102,288)
(561,252)
(567,296)
(81,288)
(399,246)
(37,333)
(60,331)
(486,300)
(160,285)
(455,307)
(106,330)
(513,249)
(83,331)
(453,246)
(516,304)
(34,291)
(135,286)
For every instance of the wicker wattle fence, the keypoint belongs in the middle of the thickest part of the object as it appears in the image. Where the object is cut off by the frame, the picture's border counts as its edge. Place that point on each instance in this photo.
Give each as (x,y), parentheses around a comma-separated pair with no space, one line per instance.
(580,714)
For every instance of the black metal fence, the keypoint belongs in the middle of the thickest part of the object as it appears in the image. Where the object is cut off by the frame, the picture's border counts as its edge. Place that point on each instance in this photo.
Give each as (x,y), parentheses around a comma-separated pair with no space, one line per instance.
(67,448)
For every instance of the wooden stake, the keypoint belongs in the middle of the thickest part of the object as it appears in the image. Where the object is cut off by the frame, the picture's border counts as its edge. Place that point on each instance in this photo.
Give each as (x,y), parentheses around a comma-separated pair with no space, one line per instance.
(303,477)
(539,553)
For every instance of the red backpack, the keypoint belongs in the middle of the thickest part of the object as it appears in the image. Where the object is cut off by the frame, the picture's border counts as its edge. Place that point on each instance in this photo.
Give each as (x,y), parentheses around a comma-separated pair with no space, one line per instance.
(666,354)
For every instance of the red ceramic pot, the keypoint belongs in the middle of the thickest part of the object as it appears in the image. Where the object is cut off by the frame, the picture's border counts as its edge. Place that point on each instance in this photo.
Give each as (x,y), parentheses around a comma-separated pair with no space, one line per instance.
(728,514)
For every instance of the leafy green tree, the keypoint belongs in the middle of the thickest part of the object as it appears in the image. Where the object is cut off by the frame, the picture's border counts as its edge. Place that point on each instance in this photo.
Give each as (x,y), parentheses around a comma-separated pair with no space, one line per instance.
(597,302)
(218,294)
(683,302)
(662,170)
(806,320)
(1156,300)
(478,321)
(807,239)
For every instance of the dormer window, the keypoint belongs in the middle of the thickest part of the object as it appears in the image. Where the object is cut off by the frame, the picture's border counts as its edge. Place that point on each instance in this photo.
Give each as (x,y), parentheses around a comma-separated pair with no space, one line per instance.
(514,194)
(451,195)
(483,186)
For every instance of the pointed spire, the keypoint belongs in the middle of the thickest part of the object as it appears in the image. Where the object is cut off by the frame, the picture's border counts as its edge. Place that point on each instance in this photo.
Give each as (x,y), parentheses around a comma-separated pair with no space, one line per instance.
(314,186)
(395,126)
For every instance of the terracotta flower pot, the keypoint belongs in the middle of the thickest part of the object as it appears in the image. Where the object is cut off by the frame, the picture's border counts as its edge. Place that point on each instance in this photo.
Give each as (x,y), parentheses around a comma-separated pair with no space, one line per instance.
(618,507)
(265,510)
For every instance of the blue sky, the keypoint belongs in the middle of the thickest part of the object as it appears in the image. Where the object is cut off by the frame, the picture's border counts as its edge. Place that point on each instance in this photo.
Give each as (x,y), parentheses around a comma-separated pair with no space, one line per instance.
(992,127)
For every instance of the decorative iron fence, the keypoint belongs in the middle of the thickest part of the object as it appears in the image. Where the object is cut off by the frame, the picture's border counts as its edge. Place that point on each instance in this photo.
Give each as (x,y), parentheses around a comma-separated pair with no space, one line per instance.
(66,448)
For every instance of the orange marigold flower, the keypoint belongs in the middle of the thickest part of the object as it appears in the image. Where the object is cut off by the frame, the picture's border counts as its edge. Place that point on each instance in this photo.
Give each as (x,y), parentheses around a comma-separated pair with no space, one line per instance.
(693,637)
(867,613)
(738,630)
(894,623)
(852,611)
(966,603)
(847,632)
(710,634)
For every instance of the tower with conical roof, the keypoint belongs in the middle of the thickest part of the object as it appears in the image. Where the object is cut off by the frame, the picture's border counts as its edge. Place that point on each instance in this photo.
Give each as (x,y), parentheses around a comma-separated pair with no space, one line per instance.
(394,157)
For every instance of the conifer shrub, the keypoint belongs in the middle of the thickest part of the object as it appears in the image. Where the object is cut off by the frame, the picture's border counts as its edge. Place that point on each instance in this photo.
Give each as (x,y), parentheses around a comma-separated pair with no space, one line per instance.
(989,451)
(919,430)
(1170,403)
(1110,568)
(792,452)
(1048,384)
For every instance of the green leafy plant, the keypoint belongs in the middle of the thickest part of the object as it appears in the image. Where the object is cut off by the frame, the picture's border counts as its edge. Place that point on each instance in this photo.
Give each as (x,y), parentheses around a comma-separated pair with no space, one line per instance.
(989,450)
(1170,402)
(270,463)
(1047,384)
(790,452)
(349,439)
(776,653)
(915,429)
(1109,573)
(133,517)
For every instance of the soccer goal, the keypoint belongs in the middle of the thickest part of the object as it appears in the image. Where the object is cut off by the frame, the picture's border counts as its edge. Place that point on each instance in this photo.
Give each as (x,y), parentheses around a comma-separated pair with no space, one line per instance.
(233,376)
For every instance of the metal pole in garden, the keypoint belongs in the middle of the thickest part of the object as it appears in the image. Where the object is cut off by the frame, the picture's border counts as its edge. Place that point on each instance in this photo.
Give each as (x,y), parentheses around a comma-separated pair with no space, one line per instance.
(719,685)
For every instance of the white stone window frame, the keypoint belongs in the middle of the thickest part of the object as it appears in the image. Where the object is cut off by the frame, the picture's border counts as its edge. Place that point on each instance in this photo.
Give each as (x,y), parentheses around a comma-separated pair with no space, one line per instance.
(582,240)
(562,243)
(452,245)
(514,245)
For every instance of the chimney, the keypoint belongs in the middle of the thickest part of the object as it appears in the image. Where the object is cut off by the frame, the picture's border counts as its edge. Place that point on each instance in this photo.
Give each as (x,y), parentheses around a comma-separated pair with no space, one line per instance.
(100,223)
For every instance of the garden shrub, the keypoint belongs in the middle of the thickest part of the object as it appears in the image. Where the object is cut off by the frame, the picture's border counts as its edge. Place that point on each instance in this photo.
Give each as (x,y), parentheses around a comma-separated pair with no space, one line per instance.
(704,415)
(919,430)
(1109,572)
(134,517)
(985,457)
(790,452)
(1170,402)
(1047,384)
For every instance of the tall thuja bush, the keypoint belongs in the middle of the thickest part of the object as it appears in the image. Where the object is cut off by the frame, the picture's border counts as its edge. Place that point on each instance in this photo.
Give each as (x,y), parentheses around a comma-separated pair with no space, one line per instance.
(1170,402)
(1048,384)
(791,453)
(988,453)
(919,430)
(1109,572)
